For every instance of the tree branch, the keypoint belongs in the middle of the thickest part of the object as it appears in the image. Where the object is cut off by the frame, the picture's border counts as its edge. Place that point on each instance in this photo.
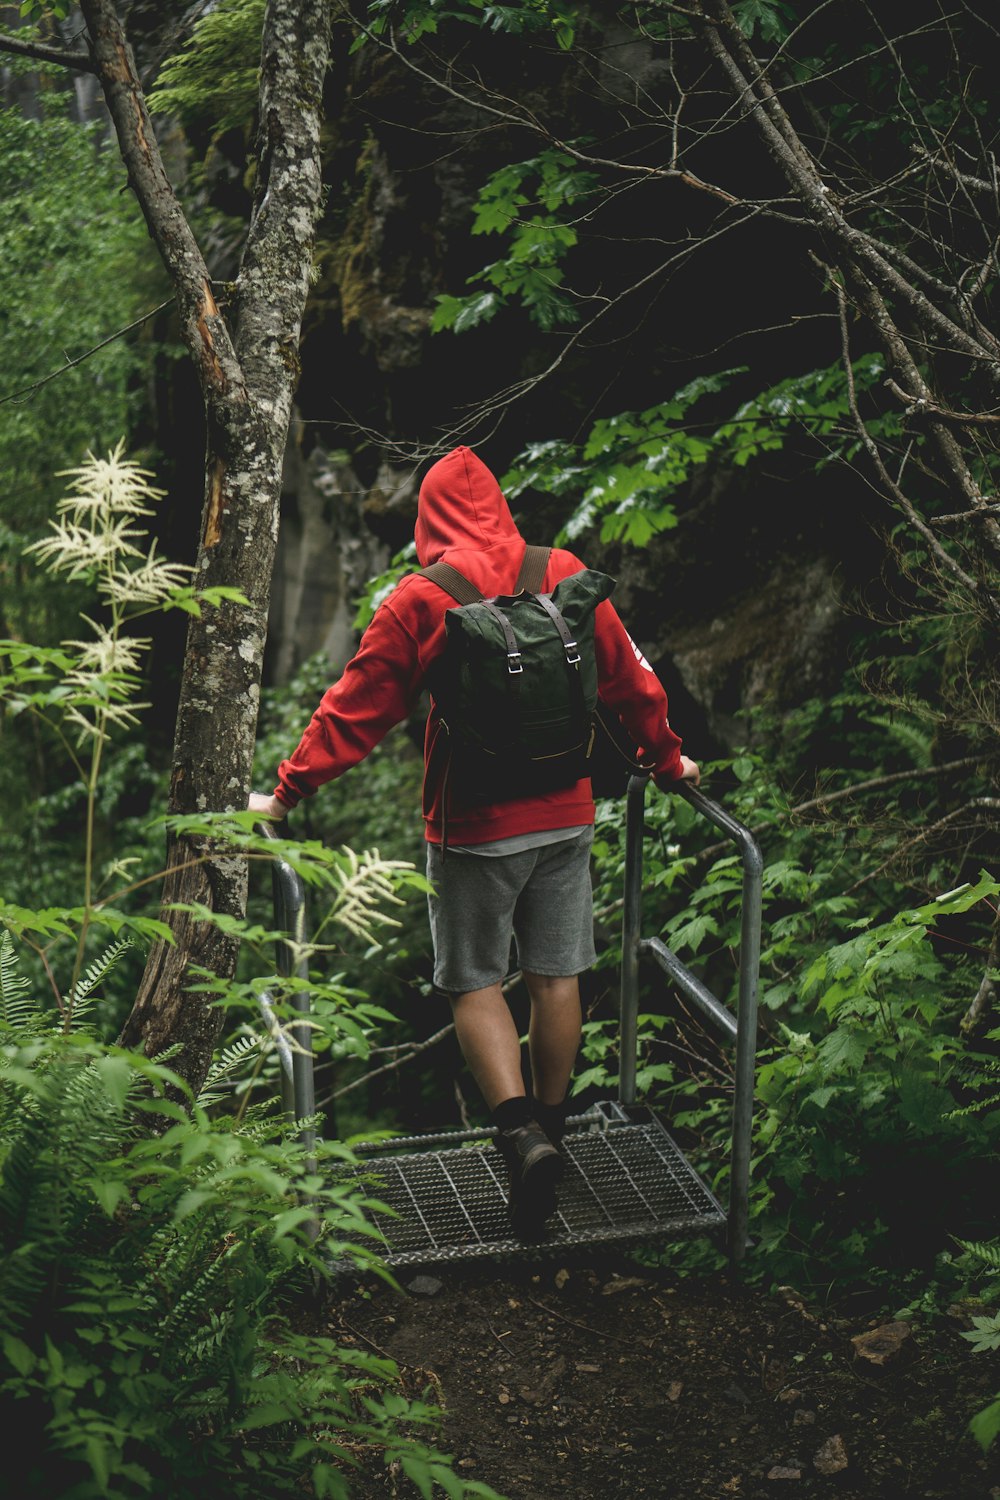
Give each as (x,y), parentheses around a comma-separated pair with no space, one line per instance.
(879,783)
(874,784)
(70,364)
(871,448)
(974,805)
(920,406)
(985,999)
(729,47)
(414,1050)
(82,61)
(202,326)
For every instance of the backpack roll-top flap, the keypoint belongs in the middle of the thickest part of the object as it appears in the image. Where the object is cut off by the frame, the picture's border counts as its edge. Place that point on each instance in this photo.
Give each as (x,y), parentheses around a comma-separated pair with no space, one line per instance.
(516,686)
(533,701)
(577,596)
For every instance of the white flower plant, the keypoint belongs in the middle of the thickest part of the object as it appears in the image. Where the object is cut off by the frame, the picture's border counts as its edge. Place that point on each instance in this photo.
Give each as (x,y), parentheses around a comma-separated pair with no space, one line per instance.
(85,690)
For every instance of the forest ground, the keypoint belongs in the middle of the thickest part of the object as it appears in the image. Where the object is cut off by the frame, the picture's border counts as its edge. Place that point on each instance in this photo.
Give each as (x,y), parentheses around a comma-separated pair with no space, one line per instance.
(596,1378)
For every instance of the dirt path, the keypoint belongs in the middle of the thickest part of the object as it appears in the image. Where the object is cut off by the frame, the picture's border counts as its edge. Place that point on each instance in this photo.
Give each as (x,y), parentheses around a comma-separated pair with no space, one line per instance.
(597,1379)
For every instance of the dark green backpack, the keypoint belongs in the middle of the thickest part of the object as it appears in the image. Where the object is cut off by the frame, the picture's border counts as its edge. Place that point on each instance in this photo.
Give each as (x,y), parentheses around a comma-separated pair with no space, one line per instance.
(516,686)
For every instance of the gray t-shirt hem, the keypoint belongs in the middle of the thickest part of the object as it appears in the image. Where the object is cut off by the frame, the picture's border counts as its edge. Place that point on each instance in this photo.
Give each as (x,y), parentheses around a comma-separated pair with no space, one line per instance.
(519,842)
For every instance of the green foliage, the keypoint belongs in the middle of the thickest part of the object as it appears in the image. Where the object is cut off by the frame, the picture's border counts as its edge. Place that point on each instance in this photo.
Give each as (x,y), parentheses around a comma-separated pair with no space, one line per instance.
(984,1336)
(75,266)
(141,1324)
(84,692)
(213,80)
(863,1068)
(152,1246)
(772,20)
(37,10)
(624,477)
(381,586)
(413,19)
(527,201)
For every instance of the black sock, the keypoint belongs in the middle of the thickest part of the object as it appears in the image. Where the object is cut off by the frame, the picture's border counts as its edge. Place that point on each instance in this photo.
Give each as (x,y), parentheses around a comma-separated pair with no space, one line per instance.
(552,1117)
(512,1113)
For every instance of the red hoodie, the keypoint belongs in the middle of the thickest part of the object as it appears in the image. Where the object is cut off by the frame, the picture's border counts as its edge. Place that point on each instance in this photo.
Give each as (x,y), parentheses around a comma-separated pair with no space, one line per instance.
(463,518)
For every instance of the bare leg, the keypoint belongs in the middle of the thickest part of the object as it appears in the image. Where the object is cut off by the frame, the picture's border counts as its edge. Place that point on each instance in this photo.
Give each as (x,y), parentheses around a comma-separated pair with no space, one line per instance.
(553,1034)
(492,1049)
(490,1043)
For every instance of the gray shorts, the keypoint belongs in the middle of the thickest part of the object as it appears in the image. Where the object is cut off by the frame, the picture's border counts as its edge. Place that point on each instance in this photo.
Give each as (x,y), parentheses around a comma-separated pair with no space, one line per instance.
(543,897)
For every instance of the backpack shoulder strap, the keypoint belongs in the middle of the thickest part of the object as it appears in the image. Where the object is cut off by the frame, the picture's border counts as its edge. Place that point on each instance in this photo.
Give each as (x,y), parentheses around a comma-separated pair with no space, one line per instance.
(532,574)
(453,582)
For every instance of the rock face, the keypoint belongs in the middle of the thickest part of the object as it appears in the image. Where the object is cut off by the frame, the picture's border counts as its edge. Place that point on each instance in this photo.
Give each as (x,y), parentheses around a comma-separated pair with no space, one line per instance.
(326,552)
(768,648)
(745,606)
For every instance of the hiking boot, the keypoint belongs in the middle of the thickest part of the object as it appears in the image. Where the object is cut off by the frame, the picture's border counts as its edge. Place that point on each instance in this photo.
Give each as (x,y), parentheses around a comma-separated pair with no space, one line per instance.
(534,1167)
(552,1119)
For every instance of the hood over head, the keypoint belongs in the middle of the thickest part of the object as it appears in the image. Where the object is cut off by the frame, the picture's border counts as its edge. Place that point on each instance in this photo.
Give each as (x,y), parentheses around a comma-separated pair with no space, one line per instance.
(460,505)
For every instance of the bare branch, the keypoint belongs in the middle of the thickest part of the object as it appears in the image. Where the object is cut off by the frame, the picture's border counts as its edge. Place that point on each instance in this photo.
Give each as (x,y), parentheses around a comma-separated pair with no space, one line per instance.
(985,999)
(871,448)
(879,783)
(967,179)
(81,61)
(920,406)
(975,806)
(748,82)
(988,510)
(507,112)
(857,789)
(70,364)
(413,1050)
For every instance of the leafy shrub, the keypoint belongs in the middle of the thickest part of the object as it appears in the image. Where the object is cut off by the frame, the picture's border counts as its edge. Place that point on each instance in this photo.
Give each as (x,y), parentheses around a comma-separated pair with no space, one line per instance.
(152,1247)
(863,1067)
(147,1260)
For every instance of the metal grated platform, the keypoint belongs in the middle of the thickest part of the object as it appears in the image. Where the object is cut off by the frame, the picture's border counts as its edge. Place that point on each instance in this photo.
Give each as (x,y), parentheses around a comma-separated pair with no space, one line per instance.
(625,1180)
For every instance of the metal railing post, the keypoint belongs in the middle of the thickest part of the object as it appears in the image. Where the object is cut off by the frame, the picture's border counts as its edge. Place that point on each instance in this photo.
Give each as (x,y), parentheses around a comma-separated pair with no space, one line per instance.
(742,1029)
(628,1043)
(746,1047)
(298,1089)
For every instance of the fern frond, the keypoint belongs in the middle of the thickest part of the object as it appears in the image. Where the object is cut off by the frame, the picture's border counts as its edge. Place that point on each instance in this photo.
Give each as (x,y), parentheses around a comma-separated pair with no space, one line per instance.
(81,998)
(17,1011)
(911,737)
(985,1075)
(54,1150)
(229,1061)
(988,1251)
(973,1109)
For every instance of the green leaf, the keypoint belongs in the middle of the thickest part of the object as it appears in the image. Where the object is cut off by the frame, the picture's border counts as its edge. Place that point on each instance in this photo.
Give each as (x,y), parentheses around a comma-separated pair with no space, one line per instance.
(692,933)
(843,1050)
(116,1075)
(109,1192)
(18,1353)
(985,1425)
(268,1414)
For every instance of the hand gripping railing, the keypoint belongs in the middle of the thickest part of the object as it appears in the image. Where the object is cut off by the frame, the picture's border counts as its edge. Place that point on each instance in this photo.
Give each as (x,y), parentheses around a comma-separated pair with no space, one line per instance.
(298,1091)
(741,1028)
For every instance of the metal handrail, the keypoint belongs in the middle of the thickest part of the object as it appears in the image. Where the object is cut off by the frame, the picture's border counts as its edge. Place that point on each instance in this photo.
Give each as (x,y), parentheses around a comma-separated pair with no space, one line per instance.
(298,1088)
(741,1028)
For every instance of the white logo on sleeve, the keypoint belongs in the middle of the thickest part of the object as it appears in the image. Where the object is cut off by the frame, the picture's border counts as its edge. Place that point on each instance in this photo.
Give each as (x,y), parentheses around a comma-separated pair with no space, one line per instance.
(638,655)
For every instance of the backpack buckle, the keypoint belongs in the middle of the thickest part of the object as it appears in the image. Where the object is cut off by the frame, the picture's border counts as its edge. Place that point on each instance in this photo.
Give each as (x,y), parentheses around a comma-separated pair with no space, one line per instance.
(514,663)
(572,653)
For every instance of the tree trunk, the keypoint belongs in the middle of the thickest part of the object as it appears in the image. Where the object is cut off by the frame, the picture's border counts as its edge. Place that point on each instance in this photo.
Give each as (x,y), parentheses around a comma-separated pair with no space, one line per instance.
(247,365)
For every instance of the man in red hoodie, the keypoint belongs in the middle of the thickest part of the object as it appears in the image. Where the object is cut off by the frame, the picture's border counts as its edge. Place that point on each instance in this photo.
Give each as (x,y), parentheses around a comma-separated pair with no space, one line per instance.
(517,867)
